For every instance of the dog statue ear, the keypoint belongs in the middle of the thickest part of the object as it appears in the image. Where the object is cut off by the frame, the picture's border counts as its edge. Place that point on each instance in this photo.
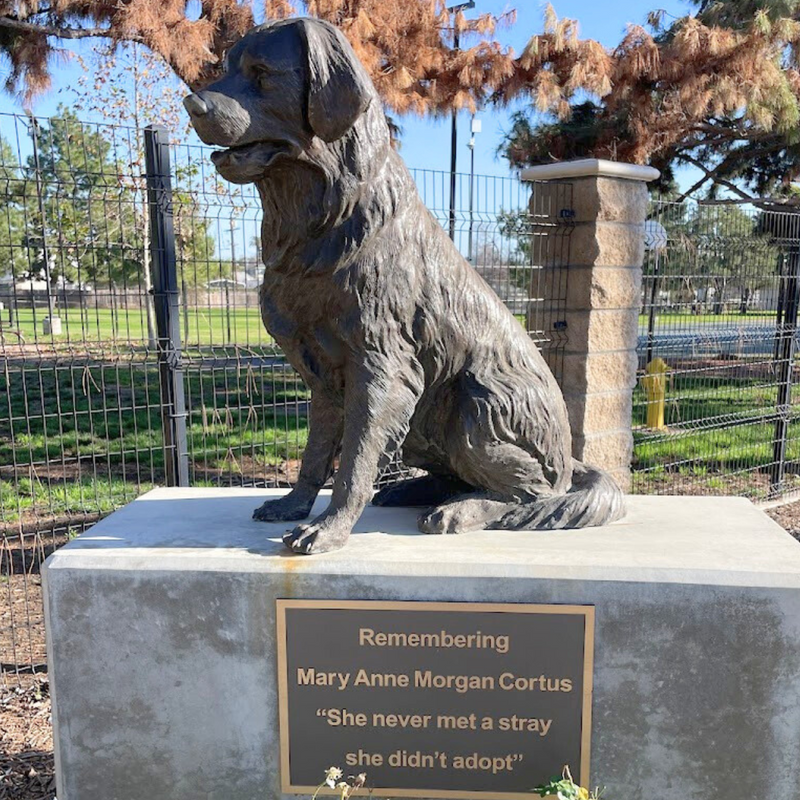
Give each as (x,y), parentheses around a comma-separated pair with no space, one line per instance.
(339,88)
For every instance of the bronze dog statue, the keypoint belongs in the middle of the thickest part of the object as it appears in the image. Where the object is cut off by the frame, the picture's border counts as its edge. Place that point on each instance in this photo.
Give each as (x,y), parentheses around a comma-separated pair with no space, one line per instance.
(402,343)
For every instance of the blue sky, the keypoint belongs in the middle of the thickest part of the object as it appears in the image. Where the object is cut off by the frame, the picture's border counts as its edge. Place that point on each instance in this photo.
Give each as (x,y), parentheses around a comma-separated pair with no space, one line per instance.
(426,142)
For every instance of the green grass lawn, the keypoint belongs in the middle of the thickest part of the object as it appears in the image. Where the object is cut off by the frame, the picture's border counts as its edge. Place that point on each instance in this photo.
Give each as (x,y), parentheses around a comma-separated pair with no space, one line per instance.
(82,440)
(78,440)
(676,319)
(205,326)
(243,326)
(718,427)
(84,436)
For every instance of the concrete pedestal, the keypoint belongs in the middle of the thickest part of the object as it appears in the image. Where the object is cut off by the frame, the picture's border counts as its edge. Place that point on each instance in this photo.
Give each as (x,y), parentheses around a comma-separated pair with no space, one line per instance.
(161,638)
(592,286)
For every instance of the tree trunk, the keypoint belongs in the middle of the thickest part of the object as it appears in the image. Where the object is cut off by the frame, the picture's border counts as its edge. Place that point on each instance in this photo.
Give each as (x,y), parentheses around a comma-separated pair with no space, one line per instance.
(719,295)
(744,301)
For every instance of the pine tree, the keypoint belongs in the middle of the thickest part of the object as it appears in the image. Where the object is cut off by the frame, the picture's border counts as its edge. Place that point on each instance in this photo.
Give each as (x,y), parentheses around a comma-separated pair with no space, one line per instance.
(407,47)
(719,90)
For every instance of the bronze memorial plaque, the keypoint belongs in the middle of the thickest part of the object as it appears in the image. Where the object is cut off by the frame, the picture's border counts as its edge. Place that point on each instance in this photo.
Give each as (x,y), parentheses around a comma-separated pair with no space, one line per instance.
(434,699)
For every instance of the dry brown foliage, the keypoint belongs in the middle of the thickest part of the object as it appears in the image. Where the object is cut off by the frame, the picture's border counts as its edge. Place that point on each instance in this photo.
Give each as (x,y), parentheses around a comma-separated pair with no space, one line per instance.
(670,90)
(724,99)
(674,90)
(406,46)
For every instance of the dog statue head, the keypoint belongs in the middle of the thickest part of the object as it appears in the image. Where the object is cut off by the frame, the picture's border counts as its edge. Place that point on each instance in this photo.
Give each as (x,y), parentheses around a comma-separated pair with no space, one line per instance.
(285,83)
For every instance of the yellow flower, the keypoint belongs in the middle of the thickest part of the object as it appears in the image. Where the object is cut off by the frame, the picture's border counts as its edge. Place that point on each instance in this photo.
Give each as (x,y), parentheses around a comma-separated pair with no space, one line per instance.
(583,794)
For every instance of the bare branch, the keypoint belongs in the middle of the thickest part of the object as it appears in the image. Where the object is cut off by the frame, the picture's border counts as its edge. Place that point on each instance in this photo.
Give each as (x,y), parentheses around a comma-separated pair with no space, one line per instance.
(712,175)
(59,33)
(766,204)
(693,188)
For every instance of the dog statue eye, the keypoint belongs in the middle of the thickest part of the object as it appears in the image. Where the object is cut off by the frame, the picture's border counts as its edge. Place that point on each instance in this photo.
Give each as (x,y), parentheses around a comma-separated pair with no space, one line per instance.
(261,75)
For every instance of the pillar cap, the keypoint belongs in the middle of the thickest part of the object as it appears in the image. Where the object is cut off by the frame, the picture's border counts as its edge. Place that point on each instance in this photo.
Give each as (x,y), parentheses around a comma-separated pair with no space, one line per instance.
(589,168)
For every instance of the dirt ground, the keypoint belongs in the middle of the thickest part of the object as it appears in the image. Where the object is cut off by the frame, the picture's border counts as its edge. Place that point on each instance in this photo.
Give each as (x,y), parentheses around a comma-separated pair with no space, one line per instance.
(26,742)
(788,516)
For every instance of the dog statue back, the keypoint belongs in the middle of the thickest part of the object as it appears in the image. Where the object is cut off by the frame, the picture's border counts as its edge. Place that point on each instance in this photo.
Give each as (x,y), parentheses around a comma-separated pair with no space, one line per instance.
(403,345)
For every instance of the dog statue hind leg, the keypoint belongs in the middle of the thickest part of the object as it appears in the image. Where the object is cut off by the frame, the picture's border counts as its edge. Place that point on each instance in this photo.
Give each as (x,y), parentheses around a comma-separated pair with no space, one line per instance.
(421,492)
(515,445)
(593,499)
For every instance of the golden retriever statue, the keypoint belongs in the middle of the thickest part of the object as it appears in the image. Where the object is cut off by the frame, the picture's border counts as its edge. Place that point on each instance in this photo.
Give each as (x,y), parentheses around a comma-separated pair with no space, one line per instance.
(402,343)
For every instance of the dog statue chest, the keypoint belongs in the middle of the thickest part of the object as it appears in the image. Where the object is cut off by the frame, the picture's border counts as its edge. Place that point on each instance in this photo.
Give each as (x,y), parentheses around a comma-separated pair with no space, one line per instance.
(307,334)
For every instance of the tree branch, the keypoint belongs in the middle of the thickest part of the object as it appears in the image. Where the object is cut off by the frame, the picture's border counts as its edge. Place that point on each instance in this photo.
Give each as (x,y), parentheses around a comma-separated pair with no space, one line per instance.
(712,175)
(61,33)
(765,204)
(693,188)
(733,158)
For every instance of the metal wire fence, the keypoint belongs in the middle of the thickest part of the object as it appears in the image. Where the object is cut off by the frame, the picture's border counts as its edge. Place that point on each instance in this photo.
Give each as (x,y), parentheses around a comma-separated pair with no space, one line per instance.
(132,348)
(121,372)
(716,411)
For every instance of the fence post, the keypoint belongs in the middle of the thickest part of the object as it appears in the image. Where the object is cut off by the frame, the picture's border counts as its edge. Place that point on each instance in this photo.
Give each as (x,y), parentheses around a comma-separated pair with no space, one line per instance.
(165,300)
(602,304)
(786,331)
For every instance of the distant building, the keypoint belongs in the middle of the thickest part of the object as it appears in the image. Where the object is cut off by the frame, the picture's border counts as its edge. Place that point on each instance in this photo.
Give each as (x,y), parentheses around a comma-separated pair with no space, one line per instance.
(249,277)
(9,284)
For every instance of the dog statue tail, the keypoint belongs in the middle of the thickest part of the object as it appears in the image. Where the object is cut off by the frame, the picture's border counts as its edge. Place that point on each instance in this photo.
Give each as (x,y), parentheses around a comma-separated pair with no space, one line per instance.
(593,499)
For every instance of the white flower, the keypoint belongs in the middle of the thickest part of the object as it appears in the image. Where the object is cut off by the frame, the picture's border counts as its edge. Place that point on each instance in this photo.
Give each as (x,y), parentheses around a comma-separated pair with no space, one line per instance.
(332,775)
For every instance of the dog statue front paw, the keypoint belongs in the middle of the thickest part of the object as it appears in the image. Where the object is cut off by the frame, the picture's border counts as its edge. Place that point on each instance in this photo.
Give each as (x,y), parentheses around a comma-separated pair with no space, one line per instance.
(284,509)
(320,536)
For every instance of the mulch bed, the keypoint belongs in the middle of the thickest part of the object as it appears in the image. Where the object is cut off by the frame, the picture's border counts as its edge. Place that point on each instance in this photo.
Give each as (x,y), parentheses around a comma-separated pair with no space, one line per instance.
(26,739)
(26,744)
(788,516)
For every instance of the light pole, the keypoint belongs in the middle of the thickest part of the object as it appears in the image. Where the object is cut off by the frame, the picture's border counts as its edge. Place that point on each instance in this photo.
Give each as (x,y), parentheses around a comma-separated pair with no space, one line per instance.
(475,127)
(453,132)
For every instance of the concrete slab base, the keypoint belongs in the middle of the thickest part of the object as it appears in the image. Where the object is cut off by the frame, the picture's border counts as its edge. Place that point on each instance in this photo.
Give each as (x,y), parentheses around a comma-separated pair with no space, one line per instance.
(161,639)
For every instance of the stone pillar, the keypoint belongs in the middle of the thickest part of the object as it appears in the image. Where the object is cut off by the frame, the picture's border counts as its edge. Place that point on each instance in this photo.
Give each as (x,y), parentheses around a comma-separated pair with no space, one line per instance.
(598,299)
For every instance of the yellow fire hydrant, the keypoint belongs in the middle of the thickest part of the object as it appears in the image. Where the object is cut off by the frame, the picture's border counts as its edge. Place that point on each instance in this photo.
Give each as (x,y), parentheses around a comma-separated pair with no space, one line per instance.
(655,387)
